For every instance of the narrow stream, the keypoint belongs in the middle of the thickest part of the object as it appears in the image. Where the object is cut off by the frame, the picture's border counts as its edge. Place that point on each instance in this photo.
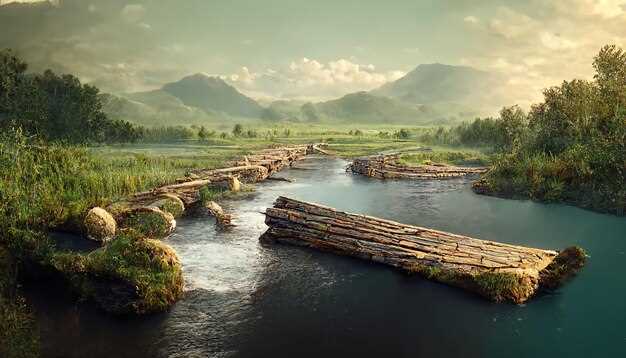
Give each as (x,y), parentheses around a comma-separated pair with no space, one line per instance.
(248,300)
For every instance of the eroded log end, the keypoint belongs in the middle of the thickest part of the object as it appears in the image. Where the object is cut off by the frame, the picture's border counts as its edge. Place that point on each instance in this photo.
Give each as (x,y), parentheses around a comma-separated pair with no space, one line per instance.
(566,265)
(500,272)
(222,219)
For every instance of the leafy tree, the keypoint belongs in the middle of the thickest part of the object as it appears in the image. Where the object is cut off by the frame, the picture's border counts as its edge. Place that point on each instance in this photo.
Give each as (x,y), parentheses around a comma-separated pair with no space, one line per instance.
(202,133)
(11,78)
(238,130)
(54,107)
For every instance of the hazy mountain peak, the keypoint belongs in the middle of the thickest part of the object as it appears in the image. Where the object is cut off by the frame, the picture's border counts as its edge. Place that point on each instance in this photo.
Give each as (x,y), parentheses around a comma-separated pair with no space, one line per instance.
(438,83)
(211,93)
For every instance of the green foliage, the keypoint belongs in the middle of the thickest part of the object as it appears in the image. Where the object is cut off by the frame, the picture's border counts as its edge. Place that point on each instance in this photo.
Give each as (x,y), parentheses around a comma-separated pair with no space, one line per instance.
(499,133)
(402,134)
(238,130)
(209,193)
(574,146)
(500,286)
(169,134)
(150,223)
(55,107)
(149,267)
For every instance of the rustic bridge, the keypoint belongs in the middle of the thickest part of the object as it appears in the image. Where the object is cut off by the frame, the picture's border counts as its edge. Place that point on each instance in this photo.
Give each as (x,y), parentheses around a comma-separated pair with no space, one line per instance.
(498,271)
(386,166)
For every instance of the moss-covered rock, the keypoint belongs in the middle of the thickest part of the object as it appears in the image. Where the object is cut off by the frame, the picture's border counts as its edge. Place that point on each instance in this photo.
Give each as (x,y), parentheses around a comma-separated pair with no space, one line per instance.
(99,225)
(130,275)
(170,203)
(149,221)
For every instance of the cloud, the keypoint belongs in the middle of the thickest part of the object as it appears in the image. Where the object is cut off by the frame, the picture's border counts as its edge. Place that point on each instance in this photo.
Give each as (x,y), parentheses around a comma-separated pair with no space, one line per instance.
(471,19)
(547,42)
(556,42)
(133,13)
(311,78)
(412,50)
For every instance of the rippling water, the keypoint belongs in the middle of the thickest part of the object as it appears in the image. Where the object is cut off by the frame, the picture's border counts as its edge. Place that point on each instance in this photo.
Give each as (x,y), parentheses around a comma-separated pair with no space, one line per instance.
(248,300)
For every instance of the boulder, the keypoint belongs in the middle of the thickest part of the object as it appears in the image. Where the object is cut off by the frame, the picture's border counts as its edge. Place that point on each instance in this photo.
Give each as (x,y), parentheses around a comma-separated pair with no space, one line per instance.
(170,203)
(99,225)
(149,221)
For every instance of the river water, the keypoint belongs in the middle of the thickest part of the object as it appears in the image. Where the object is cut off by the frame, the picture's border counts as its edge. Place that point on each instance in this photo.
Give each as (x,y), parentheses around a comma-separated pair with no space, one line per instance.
(248,300)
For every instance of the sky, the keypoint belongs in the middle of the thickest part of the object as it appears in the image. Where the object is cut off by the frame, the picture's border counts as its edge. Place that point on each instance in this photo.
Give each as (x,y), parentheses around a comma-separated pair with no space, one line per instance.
(307,49)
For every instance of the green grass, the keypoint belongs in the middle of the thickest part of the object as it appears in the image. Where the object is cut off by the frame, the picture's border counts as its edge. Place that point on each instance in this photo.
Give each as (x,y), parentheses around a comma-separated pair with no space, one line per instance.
(59,183)
(147,269)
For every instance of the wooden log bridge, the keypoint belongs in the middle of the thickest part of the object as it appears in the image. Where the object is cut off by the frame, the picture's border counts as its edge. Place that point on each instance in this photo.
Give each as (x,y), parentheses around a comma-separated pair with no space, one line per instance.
(251,169)
(387,167)
(498,271)
(167,202)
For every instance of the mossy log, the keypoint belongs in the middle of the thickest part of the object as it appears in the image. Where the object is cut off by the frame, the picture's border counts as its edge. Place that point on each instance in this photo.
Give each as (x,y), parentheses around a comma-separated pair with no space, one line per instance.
(498,271)
(388,167)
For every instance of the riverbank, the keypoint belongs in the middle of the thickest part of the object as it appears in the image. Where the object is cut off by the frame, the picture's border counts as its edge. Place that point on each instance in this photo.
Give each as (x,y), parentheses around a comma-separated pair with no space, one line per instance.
(243,299)
(60,183)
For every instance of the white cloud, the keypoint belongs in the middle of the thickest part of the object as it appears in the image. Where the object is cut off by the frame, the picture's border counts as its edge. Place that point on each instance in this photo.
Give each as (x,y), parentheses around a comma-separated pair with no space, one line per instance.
(511,24)
(608,8)
(555,42)
(133,12)
(311,78)
(552,42)
(244,76)
(471,19)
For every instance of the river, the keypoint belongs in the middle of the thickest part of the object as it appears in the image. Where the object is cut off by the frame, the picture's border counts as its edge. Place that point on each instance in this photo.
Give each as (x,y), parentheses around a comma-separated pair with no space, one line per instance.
(249,300)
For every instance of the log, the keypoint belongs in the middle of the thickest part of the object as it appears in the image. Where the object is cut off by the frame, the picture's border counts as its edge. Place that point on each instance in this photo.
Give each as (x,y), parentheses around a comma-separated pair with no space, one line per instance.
(498,271)
(387,167)
(175,198)
(221,218)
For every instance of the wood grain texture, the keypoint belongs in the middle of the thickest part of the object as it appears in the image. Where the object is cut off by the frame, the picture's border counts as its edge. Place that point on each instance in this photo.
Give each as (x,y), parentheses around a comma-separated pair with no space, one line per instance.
(499,271)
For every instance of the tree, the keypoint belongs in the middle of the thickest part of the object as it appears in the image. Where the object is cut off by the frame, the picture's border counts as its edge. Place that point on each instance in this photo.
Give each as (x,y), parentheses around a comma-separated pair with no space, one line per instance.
(55,107)
(202,133)
(11,77)
(238,130)
(511,125)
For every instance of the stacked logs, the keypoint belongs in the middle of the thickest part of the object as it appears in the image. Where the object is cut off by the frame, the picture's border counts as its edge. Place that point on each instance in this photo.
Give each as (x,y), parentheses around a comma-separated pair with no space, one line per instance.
(498,271)
(161,206)
(388,167)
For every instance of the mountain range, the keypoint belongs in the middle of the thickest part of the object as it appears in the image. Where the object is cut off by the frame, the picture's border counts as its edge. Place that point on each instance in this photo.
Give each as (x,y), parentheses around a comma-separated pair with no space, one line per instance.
(430,94)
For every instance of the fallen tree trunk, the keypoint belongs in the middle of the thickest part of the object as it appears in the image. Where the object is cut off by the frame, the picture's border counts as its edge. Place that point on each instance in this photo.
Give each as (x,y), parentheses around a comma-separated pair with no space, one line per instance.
(498,271)
(387,167)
